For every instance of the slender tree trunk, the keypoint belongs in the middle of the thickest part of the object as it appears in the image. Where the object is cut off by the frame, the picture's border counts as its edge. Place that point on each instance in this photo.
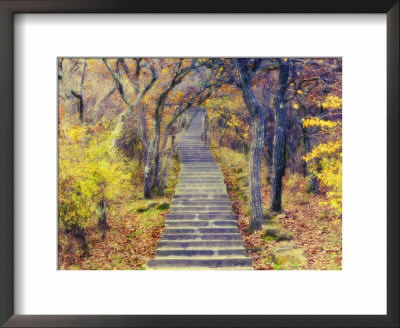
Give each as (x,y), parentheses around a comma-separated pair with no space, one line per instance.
(285,153)
(279,138)
(167,164)
(209,133)
(147,170)
(159,160)
(269,139)
(270,145)
(220,140)
(102,222)
(246,151)
(313,180)
(78,101)
(79,232)
(205,119)
(157,156)
(257,144)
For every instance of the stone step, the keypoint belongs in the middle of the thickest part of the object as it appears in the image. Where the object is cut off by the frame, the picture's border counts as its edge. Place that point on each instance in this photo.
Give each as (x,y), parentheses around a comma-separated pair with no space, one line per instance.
(195,152)
(206,263)
(202,216)
(200,166)
(190,154)
(191,179)
(198,230)
(200,175)
(191,166)
(201,197)
(233,252)
(188,191)
(201,202)
(216,183)
(203,173)
(198,160)
(181,207)
(195,174)
(202,223)
(192,236)
(200,185)
(184,179)
(175,244)
(200,209)
(201,230)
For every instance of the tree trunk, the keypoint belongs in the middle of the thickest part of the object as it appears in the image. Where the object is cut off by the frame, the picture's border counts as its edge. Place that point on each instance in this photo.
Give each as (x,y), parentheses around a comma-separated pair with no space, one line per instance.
(279,138)
(205,119)
(79,232)
(102,222)
(167,164)
(79,104)
(220,140)
(269,153)
(246,151)
(313,181)
(257,143)
(209,133)
(147,170)
(159,160)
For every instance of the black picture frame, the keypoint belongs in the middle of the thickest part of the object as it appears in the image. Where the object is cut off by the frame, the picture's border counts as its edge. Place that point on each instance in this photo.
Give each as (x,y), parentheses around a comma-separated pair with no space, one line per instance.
(10,7)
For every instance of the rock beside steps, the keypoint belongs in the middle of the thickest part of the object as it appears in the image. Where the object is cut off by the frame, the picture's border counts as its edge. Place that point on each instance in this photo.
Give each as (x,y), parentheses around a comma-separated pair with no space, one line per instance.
(201,230)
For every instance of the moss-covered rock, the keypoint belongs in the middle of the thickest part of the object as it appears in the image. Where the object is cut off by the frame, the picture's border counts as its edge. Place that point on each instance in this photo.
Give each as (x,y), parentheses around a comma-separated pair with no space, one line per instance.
(277,233)
(151,205)
(162,206)
(287,256)
(140,208)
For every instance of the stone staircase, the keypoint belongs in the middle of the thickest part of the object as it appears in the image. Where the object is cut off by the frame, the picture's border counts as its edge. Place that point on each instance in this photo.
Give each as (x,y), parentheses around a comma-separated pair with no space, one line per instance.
(201,230)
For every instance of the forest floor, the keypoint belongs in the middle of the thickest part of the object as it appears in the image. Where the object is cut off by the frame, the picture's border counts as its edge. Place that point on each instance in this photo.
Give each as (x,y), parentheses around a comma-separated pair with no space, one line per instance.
(311,225)
(134,228)
(135,224)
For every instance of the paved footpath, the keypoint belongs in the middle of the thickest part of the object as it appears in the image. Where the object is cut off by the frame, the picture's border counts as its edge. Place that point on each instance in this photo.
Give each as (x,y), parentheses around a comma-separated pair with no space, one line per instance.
(201,230)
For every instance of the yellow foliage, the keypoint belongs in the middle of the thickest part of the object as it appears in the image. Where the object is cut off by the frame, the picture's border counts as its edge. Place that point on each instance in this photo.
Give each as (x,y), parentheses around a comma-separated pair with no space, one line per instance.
(325,126)
(332,102)
(295,106)
(325,162)
(325,149)
(89,170)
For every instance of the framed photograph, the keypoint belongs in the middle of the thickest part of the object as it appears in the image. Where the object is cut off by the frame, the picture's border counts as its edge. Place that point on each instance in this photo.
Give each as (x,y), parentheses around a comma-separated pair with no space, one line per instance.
(213,163)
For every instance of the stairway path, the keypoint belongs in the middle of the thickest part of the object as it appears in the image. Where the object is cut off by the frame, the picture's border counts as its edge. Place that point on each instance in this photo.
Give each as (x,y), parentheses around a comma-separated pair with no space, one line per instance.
(201,230)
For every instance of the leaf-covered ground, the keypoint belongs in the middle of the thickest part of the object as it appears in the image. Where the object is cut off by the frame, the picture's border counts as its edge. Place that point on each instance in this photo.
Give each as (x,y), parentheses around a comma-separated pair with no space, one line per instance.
(134,228)
(313,225)
(135,225)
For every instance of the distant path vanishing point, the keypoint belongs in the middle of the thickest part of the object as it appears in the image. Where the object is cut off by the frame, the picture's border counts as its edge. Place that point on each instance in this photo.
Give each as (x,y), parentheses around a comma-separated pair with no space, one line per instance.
(201,230)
